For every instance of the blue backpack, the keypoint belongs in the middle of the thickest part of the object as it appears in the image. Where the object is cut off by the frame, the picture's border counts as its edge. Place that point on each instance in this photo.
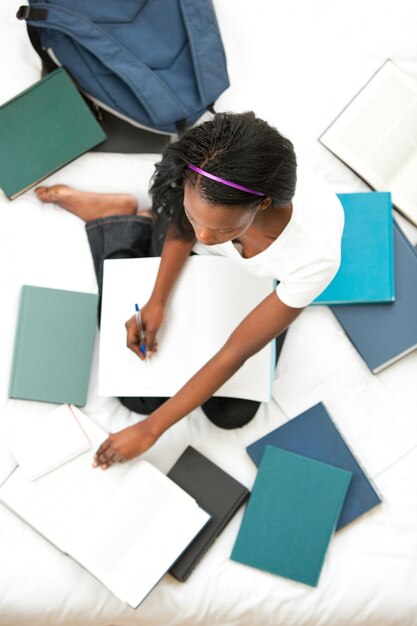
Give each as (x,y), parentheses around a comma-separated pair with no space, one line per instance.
(158,64)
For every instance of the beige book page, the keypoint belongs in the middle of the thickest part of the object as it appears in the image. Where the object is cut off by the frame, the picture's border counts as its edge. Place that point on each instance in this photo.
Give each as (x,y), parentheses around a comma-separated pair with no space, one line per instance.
(376,134)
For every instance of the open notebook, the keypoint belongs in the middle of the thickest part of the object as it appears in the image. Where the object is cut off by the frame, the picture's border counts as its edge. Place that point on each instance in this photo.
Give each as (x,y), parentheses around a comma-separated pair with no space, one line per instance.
(210,298)
(125,525)
(375,135)
(40,443)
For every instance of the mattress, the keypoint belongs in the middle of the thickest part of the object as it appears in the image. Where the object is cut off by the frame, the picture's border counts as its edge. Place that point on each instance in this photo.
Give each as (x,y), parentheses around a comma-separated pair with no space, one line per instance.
(296,65)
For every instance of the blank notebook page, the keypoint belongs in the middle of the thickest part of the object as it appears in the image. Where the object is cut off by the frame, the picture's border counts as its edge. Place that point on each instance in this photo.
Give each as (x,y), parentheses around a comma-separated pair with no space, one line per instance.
(211,296)
(40,443)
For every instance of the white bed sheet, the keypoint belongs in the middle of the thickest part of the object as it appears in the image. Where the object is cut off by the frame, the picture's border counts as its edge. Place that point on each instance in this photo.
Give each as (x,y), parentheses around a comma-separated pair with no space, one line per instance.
(296,64)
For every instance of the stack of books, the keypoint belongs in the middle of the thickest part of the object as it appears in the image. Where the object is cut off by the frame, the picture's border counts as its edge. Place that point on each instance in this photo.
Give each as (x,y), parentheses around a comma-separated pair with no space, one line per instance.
(308,485)
(374,294)
(383,333)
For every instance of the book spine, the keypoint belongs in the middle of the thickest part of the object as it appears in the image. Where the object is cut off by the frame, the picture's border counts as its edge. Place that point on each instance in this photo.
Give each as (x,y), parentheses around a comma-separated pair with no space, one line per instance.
(18,342)
(218,530)
(390,244)
(380,68)
(355,458)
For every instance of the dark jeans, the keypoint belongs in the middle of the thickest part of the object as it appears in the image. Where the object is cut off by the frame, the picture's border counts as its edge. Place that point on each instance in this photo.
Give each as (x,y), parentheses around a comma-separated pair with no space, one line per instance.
(133,236)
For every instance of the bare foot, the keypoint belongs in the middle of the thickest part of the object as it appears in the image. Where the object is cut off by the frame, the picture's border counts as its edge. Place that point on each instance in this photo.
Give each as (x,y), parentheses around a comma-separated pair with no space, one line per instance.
(88,205)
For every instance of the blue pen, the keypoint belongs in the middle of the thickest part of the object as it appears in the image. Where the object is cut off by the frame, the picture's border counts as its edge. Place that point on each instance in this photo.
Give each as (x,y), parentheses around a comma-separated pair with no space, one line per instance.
(141,331)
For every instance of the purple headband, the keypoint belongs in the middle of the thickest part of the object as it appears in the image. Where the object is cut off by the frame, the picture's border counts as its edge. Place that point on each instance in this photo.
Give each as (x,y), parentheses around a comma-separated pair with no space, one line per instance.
(223,181)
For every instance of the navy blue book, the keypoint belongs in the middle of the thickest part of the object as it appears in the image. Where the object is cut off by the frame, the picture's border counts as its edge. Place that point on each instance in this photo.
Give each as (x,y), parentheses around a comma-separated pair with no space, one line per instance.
(366,272)
(383,333)
(314,435)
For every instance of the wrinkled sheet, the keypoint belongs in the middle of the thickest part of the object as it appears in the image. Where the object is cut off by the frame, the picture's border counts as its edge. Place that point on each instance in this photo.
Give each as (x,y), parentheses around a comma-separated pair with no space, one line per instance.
(296,64)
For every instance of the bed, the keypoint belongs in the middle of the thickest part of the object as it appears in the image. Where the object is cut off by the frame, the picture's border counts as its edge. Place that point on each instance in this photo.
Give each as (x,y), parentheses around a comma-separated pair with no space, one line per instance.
(296,64)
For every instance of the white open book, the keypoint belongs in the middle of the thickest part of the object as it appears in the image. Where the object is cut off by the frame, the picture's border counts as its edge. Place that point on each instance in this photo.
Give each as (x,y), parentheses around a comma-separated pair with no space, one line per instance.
(125,525)
(210,298)
(40,443)
(376,136)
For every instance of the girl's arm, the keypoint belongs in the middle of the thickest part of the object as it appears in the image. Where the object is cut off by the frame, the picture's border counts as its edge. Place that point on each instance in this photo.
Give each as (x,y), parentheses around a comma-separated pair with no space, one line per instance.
(262,325)
(174,254)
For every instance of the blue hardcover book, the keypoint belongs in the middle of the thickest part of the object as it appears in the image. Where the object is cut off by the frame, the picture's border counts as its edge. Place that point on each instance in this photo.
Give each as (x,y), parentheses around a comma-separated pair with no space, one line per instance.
(313,434)
(366,272)
(383,333)
(291,515)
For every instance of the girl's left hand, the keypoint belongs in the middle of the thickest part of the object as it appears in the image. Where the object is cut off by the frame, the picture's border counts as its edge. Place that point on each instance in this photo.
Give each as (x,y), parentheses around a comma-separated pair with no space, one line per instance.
(125,445)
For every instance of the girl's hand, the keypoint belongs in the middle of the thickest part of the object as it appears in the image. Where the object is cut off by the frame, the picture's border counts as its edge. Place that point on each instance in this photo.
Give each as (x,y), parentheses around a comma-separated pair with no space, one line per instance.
(125,445)
(152,315)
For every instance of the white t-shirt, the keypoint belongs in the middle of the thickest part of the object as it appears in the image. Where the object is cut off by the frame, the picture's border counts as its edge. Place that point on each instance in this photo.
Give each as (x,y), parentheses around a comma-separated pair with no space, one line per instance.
(306,255)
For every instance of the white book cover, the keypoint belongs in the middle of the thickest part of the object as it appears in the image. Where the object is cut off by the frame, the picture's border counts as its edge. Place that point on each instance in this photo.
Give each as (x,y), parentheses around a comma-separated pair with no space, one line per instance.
(41,443)
(210,298)
(125,525)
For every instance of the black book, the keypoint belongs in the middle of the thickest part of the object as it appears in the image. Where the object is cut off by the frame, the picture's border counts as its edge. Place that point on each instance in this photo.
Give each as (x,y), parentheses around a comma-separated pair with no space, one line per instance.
(215,491)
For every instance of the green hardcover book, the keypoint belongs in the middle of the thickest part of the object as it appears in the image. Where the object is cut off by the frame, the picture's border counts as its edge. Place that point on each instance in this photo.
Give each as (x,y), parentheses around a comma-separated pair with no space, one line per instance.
(42,129)
(291,515)
(53,345)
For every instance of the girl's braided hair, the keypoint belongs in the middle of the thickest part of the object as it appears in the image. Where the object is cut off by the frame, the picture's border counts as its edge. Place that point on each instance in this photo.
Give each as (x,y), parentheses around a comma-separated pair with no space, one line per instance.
(235,146)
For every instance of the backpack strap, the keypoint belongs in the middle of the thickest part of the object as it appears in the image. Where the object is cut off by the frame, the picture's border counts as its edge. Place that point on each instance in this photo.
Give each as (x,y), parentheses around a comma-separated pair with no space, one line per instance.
(207,49)
(160,103)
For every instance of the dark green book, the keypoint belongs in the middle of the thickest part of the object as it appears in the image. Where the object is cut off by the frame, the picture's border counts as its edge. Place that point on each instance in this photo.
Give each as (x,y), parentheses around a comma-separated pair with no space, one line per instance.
(53,345)
(41,130)
(291,515)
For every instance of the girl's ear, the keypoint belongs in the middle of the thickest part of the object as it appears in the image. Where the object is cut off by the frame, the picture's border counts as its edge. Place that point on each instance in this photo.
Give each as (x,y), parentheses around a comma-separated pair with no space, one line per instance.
(266,202)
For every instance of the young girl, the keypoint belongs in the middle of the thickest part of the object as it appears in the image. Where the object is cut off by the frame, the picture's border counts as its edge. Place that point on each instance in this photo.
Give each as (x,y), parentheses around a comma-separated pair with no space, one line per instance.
(228,187)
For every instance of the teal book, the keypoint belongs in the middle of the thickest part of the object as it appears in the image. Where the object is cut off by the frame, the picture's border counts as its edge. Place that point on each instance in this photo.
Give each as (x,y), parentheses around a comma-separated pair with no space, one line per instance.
(313,434)
(384,333)
(53,345)
(41,130)
(291,515)
(366,272)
